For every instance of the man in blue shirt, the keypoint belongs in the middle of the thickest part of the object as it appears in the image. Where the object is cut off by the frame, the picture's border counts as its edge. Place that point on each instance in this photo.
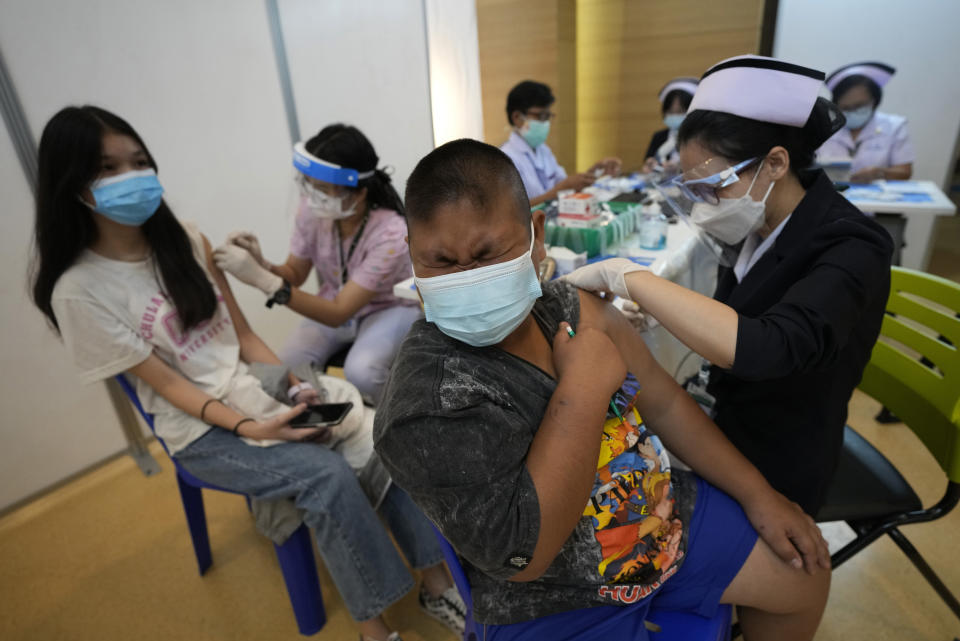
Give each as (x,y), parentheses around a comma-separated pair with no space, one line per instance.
(528,112)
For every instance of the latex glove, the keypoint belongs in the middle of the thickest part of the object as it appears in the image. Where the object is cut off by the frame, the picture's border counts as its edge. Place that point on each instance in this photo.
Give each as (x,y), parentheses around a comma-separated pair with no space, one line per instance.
(248,241)
(244,267)
(304,392)
(605,276)
(640,321)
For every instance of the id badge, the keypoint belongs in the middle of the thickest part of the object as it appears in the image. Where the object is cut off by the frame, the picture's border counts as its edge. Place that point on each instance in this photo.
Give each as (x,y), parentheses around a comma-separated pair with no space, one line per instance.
(346,332)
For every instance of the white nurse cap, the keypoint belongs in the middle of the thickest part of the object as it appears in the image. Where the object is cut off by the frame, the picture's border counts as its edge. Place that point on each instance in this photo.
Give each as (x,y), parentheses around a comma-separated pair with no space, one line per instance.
(876,71)
(760,88)
(688,85)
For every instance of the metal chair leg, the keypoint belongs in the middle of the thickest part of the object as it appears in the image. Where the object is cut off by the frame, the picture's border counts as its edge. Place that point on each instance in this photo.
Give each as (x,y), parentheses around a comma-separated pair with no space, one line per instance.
(925,570)
(865,536)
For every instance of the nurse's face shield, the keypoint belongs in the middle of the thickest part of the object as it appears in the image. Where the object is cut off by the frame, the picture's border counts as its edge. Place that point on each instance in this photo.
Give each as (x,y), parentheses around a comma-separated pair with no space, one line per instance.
(705,189)
(327,189)
(702,184)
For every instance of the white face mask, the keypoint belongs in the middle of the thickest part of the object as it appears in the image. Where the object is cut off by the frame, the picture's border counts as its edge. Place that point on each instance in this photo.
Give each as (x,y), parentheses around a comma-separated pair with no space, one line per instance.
(324,205)
(732,219)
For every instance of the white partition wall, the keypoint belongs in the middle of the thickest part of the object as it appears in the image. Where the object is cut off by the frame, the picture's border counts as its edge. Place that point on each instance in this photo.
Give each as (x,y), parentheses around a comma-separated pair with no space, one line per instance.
(919,38)
(51,426)
(365,64)
(454,52)
(199,81)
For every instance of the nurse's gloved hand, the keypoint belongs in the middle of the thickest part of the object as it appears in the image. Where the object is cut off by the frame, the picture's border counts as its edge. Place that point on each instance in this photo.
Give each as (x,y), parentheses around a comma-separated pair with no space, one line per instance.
(641,322)
(247,240)
(789,531)
(245,268)
(605,276)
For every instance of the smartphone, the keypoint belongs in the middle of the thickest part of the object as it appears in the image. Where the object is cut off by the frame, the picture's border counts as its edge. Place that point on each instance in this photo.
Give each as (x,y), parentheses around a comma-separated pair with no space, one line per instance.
(325,414)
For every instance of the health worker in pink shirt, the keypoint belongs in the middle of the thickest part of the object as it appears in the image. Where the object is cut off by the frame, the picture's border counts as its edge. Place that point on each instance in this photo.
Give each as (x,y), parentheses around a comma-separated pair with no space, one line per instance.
(349,228)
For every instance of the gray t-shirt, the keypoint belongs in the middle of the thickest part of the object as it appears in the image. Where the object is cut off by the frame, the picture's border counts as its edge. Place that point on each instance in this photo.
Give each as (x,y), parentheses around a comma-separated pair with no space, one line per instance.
(454,428)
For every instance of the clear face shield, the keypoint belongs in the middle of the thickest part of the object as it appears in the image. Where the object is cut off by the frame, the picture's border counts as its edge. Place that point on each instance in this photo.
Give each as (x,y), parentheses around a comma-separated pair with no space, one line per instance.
(719,223)
(322,189)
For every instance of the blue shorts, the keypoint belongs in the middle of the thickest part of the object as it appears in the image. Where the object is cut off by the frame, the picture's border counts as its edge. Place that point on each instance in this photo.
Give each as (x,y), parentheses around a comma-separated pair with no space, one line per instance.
(720,540)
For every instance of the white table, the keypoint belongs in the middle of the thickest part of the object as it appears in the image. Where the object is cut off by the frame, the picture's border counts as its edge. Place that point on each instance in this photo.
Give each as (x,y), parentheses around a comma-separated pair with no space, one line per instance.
(921,216)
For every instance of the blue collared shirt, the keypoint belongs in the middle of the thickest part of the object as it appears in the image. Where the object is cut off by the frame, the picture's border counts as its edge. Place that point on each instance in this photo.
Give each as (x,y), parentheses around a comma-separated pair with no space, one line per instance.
(538,168)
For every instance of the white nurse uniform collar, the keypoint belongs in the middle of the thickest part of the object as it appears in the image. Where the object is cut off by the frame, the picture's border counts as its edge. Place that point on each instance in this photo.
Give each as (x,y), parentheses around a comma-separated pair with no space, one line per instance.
(760,88)
(309,165)
(876,71)
(687,85)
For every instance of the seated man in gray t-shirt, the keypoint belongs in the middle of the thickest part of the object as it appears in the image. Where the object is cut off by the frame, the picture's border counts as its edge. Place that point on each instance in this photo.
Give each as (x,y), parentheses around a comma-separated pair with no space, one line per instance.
(512,421)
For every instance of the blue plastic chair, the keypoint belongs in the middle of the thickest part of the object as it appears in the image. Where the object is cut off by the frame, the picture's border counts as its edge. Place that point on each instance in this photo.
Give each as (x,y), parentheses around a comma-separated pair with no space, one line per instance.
(674,626)
(295,555)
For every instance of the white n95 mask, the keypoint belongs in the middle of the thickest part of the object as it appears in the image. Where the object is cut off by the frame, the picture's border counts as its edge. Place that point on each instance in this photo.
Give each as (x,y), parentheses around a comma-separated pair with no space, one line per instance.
(324,205)
(482,306)
(732,219)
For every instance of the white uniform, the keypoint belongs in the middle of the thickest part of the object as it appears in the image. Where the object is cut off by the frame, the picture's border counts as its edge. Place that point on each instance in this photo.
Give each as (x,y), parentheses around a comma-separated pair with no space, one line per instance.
(883,142)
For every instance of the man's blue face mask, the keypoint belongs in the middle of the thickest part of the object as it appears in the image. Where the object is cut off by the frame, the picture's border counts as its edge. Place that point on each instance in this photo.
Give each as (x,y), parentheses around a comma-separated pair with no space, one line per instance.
(130,198)
(482,306)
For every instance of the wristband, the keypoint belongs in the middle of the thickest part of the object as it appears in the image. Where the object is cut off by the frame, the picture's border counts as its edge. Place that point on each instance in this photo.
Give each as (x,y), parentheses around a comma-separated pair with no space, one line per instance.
(299,387)
(239,423)
(205,405)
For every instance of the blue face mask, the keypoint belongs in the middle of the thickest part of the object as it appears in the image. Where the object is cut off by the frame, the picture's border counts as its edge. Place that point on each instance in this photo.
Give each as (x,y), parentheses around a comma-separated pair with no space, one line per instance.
(673,121)
(857,118)
(535,132)
(482,306)
(129,198)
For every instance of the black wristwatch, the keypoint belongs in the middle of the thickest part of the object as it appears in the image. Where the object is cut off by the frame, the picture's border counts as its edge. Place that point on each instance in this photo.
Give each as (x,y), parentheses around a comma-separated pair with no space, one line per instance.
(281,296)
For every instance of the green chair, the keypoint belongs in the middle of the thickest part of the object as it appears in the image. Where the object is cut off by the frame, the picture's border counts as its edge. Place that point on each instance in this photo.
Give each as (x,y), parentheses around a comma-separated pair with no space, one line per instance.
(915,371)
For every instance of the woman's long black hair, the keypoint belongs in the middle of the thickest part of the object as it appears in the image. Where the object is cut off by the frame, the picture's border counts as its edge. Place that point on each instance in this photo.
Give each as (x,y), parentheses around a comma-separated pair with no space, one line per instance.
(345,145)
(69,161)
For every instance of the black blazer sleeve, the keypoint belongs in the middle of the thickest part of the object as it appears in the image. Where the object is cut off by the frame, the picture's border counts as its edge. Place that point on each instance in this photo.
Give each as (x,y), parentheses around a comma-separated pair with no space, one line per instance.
(817,314)
(658,139)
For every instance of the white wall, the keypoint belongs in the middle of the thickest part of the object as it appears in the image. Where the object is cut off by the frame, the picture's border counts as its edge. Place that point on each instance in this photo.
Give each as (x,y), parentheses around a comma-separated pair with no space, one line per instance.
(365,64)
(44,408)
(919,38)
(198,80)
(454,50)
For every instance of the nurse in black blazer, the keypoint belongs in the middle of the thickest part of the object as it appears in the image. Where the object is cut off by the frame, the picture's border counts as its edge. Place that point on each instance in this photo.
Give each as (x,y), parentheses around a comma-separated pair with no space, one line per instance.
(801,296)
(674,99)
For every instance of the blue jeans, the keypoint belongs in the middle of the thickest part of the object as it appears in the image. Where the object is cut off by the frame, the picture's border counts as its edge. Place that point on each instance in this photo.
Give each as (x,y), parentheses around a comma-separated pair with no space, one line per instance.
(356,549)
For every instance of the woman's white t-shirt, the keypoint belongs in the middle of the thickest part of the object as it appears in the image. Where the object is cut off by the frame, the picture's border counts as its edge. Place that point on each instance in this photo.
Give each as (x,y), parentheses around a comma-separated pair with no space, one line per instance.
(114,314)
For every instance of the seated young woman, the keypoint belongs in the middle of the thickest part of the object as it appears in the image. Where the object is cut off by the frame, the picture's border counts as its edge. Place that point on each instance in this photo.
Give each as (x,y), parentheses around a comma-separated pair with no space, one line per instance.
(133,290)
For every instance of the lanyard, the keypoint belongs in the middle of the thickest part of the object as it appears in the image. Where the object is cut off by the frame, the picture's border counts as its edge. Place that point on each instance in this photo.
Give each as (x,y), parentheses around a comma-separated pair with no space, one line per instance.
(344,269)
